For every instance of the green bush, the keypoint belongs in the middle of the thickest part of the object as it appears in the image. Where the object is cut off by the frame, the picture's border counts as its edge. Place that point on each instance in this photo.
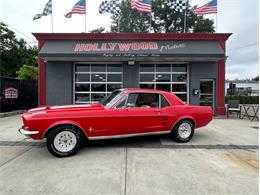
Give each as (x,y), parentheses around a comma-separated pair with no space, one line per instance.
(244,99)
(27,72)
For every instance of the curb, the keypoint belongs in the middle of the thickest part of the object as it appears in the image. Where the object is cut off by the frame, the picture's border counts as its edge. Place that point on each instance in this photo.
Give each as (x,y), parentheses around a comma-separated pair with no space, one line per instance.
(6,114)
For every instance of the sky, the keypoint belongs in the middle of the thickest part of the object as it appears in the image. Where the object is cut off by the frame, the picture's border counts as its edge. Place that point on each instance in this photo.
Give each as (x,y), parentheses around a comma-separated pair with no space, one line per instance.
(240,17)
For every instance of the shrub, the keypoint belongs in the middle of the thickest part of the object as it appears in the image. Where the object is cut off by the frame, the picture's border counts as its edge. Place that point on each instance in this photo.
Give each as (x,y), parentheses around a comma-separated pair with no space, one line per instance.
(244,99)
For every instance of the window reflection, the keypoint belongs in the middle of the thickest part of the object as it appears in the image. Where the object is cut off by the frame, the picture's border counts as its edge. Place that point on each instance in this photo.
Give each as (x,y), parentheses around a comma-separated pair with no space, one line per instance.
(98,77)
(179,77)
(82,97)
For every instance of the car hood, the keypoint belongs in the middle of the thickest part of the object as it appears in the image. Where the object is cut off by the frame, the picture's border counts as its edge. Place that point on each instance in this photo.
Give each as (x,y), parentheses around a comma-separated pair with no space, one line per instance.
(67,108)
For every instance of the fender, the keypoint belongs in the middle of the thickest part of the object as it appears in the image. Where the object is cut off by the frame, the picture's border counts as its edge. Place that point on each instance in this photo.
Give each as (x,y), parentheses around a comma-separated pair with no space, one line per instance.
(65,122)
(184,117)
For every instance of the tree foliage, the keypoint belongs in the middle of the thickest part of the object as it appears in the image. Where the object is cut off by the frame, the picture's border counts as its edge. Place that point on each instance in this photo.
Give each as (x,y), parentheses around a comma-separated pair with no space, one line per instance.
(27,72)
(162,19)
(14,52)
(98,30)
(256,78)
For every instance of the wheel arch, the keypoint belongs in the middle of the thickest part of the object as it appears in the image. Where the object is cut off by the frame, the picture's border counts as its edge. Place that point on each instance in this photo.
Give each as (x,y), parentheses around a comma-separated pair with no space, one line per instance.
(55,125)
(190,118)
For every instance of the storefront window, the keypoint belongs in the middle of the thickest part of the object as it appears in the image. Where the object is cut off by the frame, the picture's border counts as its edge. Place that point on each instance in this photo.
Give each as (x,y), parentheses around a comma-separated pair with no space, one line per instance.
(98,68)
(179,68)
(179,77)
(82,77)
(167,77)
(114,68)
(95,81)
(112,87)
(163,68)
(147,68)
(146,77)
(163,78)
(83,68)
(82,98)
(147,86)
(114,77)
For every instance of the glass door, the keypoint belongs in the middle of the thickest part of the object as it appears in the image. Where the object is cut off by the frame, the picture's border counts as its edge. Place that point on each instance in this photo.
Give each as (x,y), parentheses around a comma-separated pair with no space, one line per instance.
(207,88)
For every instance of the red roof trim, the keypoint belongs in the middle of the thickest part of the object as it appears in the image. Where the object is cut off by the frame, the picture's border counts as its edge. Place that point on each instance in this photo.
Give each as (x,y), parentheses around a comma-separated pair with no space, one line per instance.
(132,36)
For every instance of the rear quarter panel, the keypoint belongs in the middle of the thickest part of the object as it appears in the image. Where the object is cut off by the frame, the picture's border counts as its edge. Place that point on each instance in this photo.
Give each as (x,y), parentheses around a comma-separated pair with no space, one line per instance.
(201,115)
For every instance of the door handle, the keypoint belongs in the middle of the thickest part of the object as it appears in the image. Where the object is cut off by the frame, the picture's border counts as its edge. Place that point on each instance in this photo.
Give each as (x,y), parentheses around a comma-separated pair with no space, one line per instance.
(157,111)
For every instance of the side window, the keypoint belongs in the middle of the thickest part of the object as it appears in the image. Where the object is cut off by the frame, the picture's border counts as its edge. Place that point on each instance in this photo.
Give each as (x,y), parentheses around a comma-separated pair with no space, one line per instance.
(121,104)
(132,100)
(164,102)
(143,100)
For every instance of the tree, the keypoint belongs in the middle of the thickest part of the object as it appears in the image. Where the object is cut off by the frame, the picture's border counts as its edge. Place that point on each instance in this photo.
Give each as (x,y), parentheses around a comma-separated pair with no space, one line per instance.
(203,25)
(162,19)
(27,72)
(130,20)
(256,78)
(14,52)
(97,30)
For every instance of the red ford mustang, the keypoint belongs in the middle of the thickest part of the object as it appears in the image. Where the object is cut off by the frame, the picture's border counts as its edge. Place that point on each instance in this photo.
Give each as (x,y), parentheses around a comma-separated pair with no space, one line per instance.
(124,113)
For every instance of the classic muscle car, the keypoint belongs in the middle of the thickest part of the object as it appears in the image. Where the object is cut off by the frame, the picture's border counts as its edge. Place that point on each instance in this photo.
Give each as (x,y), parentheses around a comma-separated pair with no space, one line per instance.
(123,113)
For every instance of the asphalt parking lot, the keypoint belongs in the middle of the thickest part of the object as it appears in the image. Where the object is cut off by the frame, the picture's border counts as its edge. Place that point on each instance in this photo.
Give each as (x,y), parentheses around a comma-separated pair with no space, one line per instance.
(222,158)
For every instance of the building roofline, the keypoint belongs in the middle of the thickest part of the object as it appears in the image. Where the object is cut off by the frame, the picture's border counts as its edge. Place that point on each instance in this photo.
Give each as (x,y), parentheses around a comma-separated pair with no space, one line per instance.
(133,36)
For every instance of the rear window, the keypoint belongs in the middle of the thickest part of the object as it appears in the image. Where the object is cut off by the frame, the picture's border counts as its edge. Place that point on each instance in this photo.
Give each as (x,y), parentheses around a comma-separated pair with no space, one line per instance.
(164,102)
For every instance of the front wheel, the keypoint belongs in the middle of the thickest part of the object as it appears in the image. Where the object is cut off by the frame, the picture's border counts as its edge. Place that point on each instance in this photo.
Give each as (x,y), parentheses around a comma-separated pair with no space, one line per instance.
(64,141)
(183,131)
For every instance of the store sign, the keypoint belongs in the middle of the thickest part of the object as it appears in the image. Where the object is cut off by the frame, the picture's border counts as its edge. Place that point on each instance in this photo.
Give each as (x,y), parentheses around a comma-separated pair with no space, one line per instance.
(11,93)
(123,47)
(129,49)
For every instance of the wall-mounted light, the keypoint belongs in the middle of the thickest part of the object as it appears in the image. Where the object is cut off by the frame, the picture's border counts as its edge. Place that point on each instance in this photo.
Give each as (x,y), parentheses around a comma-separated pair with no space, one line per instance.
(131,62)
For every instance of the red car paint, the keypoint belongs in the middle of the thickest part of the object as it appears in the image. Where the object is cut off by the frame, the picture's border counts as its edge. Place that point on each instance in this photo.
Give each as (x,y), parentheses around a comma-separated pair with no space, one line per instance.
(98,121)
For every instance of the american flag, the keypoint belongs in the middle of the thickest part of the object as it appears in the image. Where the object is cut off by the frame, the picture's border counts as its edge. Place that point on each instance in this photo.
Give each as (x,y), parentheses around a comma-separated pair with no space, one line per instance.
(142,5)
(208,8)
(78,8)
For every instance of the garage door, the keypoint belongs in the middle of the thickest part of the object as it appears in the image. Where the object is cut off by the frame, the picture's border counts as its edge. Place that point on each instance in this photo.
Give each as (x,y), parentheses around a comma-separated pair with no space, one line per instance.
(92,82)
(170,77)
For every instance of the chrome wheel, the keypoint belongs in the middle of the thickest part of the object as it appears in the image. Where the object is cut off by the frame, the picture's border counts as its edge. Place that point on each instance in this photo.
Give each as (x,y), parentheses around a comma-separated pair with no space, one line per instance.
(184,130)
(65,141)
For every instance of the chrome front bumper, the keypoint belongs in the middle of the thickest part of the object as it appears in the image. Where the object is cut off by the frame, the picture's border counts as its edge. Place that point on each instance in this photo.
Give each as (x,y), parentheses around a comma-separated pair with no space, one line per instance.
(27,133)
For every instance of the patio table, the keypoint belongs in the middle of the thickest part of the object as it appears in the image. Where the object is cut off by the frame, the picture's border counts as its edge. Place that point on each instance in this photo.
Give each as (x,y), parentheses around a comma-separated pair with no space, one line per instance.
(254,110)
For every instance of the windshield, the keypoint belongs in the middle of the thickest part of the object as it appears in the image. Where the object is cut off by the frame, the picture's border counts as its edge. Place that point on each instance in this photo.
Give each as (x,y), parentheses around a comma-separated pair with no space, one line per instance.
(112,98)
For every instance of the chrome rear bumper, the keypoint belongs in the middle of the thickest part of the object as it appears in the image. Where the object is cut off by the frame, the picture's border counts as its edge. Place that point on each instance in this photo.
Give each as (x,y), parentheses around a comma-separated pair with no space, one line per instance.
(27,133)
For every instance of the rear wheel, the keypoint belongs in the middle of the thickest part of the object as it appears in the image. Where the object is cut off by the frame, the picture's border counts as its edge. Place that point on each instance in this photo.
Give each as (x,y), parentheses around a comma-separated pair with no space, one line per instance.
(183,131)
(64,141)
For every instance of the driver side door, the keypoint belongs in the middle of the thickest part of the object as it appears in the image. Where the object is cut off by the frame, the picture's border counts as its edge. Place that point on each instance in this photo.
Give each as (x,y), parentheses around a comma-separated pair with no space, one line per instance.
(138,113)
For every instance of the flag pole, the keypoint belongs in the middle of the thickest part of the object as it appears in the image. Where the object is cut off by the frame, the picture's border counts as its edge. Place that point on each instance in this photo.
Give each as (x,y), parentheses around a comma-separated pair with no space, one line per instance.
(216,22)
(85,22)
(118,22)
(85,17)
(51,18)
(150,22)
(185,17)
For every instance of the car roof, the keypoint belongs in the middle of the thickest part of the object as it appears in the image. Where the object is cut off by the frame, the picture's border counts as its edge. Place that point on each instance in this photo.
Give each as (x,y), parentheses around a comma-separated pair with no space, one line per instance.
(173,99)
(143,90)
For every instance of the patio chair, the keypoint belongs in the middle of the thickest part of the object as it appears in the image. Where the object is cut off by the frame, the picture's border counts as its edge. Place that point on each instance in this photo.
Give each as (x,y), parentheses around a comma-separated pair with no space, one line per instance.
(233,106)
